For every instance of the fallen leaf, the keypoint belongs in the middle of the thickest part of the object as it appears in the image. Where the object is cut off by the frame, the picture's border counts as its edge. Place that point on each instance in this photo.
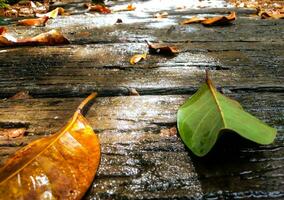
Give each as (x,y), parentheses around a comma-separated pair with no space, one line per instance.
(33,22)
(98,8)
(52,37)
(221,20)
(3,30)
(192,20)
(133,92)
(138,57)
(208,113)
(61,166)
(130,7)
(21,95)
(159,48)
(12,132)
(270,14)
(161,15)
(53,14)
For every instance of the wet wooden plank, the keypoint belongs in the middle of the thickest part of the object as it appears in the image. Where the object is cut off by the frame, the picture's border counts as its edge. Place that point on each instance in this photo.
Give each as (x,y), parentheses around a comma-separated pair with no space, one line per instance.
(138,159)
(103,29)
(78,70)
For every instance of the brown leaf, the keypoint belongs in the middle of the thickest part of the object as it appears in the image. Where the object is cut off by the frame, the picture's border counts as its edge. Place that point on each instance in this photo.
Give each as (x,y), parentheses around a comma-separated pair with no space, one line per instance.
(130,7)
(61,166)
(271,14)
(221,20)
(192,20)
(21,95)
(161,15)
(138,57)
(98,8)
(159,48)
(3,30)
(52,37)
(53,14)
(34,22)
(12,132)
(133,92)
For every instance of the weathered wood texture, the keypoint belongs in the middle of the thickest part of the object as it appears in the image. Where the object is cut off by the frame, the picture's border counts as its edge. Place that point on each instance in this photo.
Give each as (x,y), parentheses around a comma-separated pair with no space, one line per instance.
(140,161)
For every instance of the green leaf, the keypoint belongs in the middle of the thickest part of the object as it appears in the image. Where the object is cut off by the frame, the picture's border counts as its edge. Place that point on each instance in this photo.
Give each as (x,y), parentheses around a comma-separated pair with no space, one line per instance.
(208,113)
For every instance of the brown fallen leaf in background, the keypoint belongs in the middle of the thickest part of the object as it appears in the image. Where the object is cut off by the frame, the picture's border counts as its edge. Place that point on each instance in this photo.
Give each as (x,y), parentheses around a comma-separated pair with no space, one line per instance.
(192,20)
(52,37)
(26,9)
(129,7)
(98,8)
(21,95)
(33,22)
(12,132)
(160,48)
(53,14)
(61,166)
(161,15)
(3,30)
(138,57)
(220,20)
(271,14)
(133,92)
(5,38)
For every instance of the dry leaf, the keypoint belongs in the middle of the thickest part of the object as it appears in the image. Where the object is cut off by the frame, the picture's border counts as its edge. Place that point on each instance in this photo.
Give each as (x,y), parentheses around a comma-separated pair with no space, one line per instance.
(133,92)
(130,7)
(159,48)
(33,22)
(21,95)
(53,14)
(161,15)
(52,37)
(138,57)
(61,166)
(6,39)
(271,14)
(192,20)
(12,132)
(98,8)
(221,20)
(3,30)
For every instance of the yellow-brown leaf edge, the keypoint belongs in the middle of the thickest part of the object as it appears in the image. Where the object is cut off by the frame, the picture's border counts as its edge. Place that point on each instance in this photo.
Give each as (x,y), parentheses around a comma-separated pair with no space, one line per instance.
(61,166)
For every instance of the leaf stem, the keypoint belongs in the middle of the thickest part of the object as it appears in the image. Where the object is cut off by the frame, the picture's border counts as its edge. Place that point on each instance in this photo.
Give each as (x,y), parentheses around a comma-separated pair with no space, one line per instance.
(86,101)
(207,76)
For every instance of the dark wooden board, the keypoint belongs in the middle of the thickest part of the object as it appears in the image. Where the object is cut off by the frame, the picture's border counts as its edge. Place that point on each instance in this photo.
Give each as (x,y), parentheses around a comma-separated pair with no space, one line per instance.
(138,159)
(78,70)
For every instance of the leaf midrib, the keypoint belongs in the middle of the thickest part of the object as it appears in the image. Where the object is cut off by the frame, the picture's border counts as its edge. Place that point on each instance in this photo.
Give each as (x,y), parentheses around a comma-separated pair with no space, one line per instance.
(214,94)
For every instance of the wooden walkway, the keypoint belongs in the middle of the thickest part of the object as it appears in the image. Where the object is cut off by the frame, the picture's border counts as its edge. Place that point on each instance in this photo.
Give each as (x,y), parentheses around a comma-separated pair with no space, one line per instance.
(140,161)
